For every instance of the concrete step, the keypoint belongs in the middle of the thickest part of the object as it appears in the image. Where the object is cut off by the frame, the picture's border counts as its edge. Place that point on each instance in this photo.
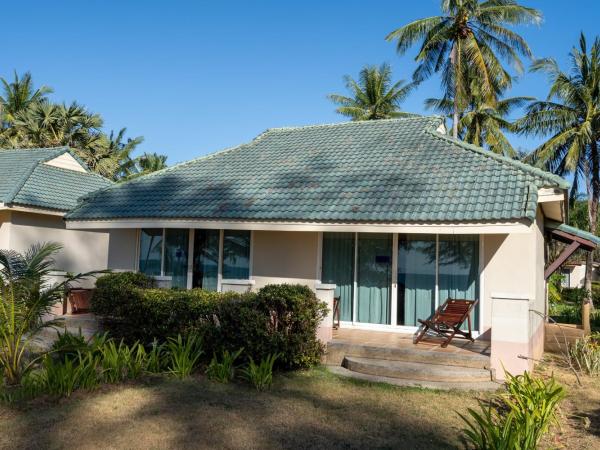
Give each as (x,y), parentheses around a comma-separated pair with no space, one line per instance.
(336,351)
(416,371)
(479,386)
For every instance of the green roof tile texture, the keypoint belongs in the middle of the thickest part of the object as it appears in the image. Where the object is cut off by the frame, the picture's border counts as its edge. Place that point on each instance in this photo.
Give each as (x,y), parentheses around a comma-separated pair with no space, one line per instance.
(26,181)
(398,170)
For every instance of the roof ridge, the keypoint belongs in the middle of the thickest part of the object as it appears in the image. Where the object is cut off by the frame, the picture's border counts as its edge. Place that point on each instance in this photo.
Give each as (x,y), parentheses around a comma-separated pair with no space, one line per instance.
(12,194)
(353,122)
(33,149)
(504,159)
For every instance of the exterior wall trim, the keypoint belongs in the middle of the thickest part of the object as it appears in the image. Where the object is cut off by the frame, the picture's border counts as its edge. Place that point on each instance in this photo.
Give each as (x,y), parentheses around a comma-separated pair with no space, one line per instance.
(424,228)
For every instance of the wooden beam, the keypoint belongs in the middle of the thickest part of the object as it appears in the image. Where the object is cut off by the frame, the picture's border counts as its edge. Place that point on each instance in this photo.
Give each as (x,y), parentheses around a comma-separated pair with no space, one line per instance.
(568,238)
(561,258)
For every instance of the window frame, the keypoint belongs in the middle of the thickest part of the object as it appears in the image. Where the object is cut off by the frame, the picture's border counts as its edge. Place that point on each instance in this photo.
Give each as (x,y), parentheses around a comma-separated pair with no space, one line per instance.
(190,267)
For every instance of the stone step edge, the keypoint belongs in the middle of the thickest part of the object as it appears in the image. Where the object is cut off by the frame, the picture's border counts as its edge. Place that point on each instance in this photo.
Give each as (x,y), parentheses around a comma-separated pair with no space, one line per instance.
(401,354)
(402,382)
(446,369)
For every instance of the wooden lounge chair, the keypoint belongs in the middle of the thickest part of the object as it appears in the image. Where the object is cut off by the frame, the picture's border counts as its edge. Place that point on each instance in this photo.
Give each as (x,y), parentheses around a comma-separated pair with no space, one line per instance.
(448,319)
(336,313)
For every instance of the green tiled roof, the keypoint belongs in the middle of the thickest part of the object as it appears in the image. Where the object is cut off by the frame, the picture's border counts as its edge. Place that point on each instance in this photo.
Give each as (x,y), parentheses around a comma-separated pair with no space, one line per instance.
(399,170)
(553,225)
(26,181)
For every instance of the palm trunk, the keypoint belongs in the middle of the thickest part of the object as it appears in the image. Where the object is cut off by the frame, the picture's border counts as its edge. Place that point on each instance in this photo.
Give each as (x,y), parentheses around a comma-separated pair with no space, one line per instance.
(593,191)
(454,61)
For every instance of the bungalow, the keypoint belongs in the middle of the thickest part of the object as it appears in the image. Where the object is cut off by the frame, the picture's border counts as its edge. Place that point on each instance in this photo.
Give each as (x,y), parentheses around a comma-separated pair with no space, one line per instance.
(37,187)
(391,216)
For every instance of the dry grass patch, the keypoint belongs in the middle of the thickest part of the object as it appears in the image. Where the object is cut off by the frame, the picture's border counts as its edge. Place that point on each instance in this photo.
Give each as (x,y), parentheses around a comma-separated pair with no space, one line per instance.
(303,410)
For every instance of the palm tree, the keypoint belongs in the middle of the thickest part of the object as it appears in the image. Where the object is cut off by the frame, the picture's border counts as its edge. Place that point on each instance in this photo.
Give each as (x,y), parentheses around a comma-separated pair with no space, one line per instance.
(151,162)
(468,41)
(571,116)
(373,95)
(121,150)
(19,95)
(482,124)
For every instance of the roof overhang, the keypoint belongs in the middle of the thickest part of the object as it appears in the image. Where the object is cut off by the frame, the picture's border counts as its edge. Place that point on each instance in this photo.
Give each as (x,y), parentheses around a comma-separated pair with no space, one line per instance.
(522,226)
(31,210)
(553,202)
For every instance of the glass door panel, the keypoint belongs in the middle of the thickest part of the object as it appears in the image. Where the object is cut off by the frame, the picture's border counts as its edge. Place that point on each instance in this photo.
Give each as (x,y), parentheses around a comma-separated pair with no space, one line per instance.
(338,268)
(416,278)
(206,259)
(374,278)
(176,256)
(459,270)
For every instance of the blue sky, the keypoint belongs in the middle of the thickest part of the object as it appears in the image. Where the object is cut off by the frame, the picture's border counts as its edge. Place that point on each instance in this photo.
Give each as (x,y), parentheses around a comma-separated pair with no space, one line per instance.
(195,77)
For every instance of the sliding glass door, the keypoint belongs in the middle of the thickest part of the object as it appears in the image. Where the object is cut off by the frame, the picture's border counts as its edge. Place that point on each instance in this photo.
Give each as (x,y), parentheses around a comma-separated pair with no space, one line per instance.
(416,278)
(374,278)
(427,270)
(338,268)
(205,269)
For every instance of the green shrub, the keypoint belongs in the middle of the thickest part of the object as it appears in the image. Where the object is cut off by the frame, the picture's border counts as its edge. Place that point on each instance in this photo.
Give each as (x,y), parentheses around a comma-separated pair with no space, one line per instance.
(184,354)
(223,370)
(574,296)
(516,419)
(585,355)
(278,319)
(260,375)
(113,291)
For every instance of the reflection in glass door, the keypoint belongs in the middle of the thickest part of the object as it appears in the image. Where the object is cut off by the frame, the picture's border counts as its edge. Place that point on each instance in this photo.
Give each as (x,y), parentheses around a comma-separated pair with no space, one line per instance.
(374,278)
(416,278)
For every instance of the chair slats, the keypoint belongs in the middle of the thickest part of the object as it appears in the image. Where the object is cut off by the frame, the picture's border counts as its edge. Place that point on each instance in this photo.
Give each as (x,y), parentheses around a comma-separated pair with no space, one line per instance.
(448,319)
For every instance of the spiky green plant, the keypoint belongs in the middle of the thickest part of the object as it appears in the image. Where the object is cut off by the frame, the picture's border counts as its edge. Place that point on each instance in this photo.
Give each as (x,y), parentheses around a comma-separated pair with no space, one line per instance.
(223,369)
(261,374)
(184,354)
(26,296)
(468,40)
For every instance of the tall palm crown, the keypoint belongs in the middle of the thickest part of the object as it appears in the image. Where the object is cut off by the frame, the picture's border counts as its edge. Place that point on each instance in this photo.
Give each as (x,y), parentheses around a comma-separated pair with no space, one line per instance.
(373,95)
(468,40)
(19,95)
(151,162)
(571,116)
(483,124)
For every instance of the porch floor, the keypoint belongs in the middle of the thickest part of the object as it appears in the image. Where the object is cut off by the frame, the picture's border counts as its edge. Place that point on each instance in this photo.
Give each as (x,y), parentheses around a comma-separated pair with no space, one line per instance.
(430,343)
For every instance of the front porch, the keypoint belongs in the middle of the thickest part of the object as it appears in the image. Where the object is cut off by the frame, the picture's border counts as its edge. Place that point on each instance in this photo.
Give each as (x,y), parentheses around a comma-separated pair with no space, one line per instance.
(390,357)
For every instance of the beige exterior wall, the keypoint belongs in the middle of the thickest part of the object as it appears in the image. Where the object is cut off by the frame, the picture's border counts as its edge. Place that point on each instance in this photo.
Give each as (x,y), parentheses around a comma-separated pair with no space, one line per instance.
(122,249)
(284,257)
(4,229)
(82,251)
(514,272)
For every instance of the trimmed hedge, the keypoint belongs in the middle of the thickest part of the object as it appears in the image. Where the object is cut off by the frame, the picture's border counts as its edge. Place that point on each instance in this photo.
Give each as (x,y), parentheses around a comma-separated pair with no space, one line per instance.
(277,319)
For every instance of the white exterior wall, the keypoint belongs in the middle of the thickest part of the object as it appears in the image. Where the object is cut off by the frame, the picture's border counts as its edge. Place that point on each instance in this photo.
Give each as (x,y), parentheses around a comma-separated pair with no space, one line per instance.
(4,229)
(122,249)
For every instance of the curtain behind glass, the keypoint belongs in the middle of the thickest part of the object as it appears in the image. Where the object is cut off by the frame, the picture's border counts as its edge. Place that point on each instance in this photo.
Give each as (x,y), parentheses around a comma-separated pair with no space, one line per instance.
(374,278)
(151,251)
(338,268)
(206,259)
(176,256)
(416,278)
(236,255)
(459,270)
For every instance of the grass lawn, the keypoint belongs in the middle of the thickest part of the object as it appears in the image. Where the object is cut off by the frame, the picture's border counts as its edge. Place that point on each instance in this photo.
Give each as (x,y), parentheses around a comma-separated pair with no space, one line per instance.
(303,410)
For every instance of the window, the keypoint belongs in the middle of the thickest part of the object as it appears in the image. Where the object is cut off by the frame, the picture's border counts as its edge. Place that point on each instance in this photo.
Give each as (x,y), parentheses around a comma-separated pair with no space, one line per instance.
(206,259)
(236,255)
(151,240)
